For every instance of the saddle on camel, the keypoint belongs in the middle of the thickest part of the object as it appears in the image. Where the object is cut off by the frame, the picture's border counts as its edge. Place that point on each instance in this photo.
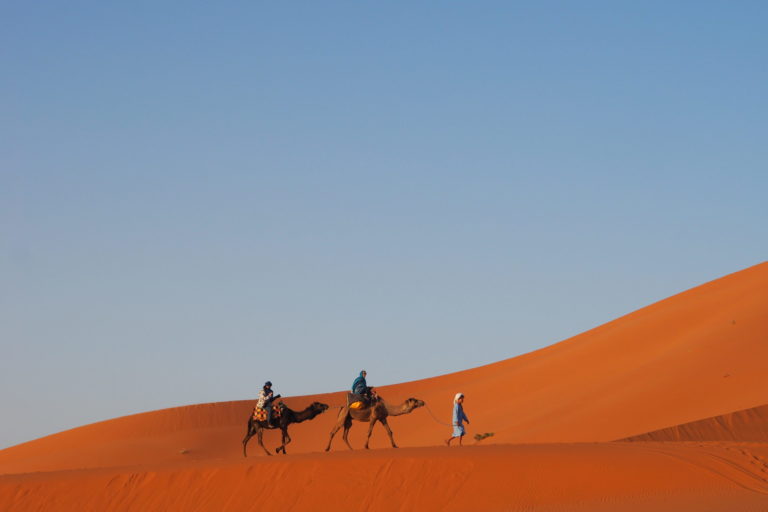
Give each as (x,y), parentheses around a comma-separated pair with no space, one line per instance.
(261,413)
(360,401)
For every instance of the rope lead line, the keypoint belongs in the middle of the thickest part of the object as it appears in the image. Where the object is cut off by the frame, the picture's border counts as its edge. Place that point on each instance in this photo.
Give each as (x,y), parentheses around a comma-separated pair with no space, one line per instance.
(435,417)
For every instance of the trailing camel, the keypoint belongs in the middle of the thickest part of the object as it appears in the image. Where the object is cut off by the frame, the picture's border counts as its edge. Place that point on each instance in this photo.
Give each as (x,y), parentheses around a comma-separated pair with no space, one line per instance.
(287,416)
(371,413)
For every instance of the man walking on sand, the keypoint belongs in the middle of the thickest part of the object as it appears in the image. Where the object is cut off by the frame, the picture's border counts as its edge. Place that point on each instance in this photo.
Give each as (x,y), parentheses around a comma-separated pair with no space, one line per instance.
(458,418)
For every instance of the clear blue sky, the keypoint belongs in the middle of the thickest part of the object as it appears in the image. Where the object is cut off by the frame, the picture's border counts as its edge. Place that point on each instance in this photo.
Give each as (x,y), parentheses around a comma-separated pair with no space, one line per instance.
(197,197)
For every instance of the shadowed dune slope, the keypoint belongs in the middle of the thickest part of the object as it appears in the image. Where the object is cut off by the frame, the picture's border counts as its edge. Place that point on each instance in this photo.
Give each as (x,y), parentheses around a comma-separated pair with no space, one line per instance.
(746,425)
(698,354)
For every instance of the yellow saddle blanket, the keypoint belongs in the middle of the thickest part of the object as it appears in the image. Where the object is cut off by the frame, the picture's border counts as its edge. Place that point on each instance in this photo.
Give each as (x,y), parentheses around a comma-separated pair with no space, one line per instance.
(260,414)
(357,405)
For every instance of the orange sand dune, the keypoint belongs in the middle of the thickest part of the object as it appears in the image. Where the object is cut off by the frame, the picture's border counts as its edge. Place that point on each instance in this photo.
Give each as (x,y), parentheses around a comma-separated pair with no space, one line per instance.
(746,425)
(549,477)
(696,355)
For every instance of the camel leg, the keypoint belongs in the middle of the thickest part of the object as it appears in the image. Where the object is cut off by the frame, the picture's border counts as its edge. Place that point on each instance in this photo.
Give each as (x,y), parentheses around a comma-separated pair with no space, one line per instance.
(286,440)
(339,422)
(370,429)
(333,433)
(245,444)
(261,441)
(389,431)
(282,443)
(347,426)
(248,436)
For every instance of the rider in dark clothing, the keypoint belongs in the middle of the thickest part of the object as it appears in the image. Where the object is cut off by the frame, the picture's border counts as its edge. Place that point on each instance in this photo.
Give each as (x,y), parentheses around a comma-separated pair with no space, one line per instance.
(360,386)
(360,390)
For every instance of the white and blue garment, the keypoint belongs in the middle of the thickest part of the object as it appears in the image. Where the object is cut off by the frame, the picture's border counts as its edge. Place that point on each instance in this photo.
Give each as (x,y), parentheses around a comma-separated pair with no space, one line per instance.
(458,418)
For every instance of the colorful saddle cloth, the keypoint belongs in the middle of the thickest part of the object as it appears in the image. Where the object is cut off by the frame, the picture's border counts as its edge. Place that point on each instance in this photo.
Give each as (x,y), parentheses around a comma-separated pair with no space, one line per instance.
(260,414)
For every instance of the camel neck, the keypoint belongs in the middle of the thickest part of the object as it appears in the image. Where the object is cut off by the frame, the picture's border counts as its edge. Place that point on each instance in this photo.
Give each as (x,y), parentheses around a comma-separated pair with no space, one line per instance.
(306,414)
(396,410)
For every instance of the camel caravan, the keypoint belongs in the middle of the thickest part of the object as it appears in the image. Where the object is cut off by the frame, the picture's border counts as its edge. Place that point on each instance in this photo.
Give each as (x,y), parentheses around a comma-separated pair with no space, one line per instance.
(363,404)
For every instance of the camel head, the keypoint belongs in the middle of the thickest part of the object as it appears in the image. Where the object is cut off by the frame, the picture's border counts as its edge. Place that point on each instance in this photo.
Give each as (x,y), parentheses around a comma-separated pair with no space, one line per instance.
(318,408)
(413,403)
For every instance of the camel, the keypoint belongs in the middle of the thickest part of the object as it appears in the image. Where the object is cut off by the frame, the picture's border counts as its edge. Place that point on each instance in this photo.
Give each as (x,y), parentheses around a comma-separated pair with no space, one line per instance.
(287,417)
(377,411)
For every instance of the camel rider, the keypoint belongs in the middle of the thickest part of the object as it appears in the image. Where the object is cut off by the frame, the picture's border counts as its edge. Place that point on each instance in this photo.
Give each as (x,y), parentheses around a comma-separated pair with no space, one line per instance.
(266,397)
(360,386)
(360,389)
